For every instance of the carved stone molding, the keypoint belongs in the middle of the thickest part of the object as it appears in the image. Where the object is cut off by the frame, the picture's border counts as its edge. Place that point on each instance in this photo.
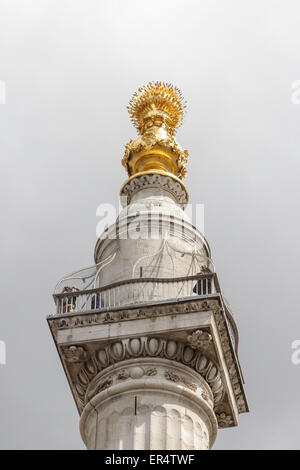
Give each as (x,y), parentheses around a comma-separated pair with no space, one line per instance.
(120,315)
(167,183)
(135,372)
(151,371)
(180,379)
(149,347)
(230,358)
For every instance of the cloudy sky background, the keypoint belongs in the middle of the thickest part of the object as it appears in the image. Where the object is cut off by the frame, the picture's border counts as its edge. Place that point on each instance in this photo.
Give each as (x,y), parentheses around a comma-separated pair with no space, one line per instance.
(70,68)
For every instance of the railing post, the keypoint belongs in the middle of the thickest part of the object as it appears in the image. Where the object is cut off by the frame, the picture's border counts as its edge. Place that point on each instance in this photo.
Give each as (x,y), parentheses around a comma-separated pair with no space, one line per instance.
(133,291)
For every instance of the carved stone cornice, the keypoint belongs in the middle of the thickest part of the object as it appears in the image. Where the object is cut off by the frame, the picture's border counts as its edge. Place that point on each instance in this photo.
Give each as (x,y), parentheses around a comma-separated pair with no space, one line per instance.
(123,314)
(231,360)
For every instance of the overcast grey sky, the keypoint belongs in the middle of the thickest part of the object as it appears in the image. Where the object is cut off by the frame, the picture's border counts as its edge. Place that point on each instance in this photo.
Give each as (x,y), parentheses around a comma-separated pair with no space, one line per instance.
(70,68)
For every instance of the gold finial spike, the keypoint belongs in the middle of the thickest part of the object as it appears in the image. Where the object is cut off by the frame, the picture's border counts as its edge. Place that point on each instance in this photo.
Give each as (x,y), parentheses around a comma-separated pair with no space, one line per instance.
(156,110)
(157,99)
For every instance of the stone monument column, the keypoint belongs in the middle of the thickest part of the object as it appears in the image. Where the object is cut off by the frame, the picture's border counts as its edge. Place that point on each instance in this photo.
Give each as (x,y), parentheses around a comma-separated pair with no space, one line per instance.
(147,340)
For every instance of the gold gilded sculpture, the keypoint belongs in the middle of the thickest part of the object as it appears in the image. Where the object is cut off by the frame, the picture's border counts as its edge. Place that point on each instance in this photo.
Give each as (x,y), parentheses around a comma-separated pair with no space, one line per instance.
(156,110)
